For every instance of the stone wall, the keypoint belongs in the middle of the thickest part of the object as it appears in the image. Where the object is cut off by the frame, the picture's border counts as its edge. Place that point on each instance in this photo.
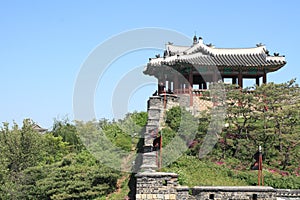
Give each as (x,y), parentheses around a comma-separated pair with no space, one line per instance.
(156,186)
(287,194)
(157,105)
(164,186)
(237,192)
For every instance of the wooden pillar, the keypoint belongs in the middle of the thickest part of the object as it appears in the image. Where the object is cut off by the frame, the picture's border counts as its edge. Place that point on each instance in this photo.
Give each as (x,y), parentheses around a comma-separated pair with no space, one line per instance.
(180,84)
(215,77)
(186,84)
(169,86)
(191,86)
(160,86)
(204,86)
(265,78)
(233,80)
(201,86)
(166,84)
(257,81)
(175,83)
(240,79)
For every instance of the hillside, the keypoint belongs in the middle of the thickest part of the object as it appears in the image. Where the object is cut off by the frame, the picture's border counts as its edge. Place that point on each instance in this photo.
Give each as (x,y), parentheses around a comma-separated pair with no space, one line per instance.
(267,115)
(76,160)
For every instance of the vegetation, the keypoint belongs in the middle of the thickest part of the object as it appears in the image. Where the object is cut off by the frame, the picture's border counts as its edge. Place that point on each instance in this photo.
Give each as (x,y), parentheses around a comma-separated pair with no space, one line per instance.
(77,160)
(193,172)
(57,164)
(267,115)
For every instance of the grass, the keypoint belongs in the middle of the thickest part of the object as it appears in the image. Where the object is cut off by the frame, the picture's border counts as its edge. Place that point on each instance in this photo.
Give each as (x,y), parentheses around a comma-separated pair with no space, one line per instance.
(193,172)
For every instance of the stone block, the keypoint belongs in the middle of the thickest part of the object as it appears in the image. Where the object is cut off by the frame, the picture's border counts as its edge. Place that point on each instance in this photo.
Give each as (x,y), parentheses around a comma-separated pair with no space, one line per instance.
(172,197)
(160,196)
(143,196)
(149,196)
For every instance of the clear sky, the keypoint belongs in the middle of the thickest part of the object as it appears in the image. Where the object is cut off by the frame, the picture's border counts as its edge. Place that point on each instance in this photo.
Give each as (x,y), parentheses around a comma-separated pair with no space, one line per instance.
(43,45)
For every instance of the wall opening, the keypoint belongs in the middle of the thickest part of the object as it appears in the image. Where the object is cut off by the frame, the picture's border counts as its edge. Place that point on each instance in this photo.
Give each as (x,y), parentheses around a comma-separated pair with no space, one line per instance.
(254,197)
(164,182)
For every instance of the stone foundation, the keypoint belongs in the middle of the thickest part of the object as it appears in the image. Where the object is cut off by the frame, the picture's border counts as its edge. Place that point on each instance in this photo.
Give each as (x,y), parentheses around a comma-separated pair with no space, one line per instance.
(164,186)
(156,186)
(238,192)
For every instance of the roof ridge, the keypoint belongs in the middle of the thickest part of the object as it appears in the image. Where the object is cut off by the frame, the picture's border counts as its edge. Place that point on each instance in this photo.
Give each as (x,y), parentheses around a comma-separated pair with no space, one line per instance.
(214,51)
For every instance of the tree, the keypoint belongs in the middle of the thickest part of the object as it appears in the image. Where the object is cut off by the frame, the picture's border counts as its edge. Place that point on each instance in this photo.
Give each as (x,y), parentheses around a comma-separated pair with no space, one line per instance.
(67,131)
(76,176)
(20,147)
(280,110)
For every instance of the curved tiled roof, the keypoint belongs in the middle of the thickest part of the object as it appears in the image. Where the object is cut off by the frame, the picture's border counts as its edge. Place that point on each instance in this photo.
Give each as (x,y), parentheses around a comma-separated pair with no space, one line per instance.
(200,46)
(207,55)
(176,49)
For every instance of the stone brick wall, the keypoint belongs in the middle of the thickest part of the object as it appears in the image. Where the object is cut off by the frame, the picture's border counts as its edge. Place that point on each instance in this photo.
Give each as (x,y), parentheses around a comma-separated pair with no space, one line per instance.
(164,186)
(199,104)
(237,192)
(287,194)
(156,113)
(156,186)
(183,193)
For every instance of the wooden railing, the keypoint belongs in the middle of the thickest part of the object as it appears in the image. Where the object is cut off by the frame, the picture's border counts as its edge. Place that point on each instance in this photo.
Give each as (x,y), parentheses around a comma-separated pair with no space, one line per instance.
(196,92)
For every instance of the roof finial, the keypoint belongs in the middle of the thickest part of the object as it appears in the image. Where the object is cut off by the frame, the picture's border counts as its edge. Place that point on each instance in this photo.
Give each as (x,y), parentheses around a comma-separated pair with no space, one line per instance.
(259,44)
(195,40)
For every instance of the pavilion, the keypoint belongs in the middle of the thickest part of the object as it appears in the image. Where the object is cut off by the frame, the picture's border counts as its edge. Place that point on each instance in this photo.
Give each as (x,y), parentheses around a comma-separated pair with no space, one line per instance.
(189,68)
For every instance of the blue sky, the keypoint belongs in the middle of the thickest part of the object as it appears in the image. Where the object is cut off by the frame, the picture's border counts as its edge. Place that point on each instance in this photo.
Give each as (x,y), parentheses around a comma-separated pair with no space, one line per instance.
(43,45)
